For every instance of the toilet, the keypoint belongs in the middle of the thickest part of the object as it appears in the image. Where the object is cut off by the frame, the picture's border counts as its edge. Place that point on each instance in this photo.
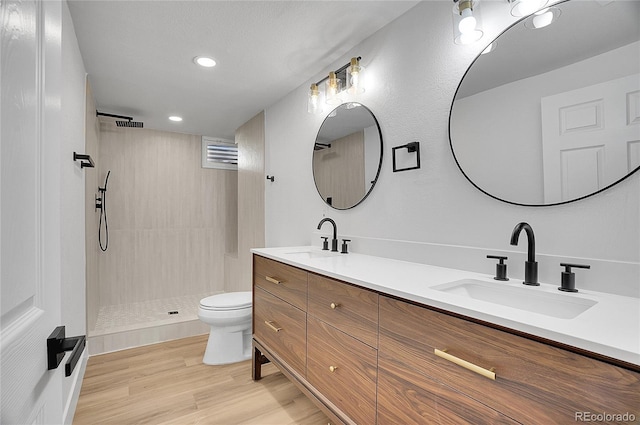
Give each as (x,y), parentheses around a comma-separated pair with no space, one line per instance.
(229,316)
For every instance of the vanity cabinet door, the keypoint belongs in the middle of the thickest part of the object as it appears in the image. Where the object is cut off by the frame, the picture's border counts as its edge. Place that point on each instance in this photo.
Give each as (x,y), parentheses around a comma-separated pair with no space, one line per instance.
(284,281)
(535,383)
(408,397)
(281,328)
(343,370)
(351,309)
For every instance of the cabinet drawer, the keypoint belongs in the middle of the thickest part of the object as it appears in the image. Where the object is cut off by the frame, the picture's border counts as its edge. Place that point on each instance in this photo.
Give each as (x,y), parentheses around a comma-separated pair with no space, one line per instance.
(349,308)
(535,383)
(283,281)
(407,397)
(282,328)
(351,386)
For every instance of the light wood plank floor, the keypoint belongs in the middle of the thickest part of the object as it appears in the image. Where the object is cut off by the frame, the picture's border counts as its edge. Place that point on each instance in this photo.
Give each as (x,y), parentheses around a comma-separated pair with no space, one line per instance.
(167,383)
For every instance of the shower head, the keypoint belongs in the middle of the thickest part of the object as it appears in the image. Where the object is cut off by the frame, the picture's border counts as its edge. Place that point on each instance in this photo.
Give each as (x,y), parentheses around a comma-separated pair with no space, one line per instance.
(128,123)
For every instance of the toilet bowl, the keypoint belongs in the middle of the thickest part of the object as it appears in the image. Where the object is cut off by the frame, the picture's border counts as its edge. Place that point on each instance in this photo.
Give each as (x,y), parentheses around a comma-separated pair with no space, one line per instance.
(229,316)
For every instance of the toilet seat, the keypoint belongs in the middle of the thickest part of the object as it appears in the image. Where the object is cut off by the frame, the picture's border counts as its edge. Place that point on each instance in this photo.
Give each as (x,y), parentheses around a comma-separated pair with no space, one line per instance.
(227,301)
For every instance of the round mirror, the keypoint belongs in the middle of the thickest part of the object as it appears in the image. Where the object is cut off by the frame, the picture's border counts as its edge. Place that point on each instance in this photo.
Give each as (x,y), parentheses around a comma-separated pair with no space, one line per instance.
(552,114)
(347,156)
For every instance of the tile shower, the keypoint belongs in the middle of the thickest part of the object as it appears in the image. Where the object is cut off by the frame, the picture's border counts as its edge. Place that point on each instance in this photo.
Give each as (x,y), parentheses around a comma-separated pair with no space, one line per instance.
(172,229)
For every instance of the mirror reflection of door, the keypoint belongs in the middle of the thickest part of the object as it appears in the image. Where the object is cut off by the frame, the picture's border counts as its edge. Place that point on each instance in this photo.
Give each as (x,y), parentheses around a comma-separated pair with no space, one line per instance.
(590,137)
(347,156)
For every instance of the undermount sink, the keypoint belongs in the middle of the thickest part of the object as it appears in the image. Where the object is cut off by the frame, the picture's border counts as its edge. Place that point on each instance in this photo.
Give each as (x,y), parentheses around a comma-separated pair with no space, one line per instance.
(313,254)
(561,306)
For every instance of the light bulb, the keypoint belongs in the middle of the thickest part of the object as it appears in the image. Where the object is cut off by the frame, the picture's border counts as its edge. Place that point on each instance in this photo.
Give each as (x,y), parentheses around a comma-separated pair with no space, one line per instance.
(526,7)
(541,21)
(468,22)
(313,105)
(355,72)
(332,89)
(471,37)
(542,18)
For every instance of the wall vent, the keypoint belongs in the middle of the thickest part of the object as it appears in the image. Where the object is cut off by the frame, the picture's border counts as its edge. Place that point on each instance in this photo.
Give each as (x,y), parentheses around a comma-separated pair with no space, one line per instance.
(219,153)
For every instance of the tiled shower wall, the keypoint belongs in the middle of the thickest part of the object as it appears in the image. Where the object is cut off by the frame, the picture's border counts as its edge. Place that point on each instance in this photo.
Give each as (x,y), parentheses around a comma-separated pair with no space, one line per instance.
(168,218)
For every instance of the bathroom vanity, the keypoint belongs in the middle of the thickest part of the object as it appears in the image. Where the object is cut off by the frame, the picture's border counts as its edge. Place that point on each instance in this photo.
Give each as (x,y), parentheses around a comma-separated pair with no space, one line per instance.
(372,340)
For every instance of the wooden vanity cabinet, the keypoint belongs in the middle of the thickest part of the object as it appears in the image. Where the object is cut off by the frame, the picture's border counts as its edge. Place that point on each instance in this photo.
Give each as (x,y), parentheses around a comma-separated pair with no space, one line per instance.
(343,369)
(349,308)
(406,396)
(282,327)
(285,282)
(367,358)
(535,383)
(328,350)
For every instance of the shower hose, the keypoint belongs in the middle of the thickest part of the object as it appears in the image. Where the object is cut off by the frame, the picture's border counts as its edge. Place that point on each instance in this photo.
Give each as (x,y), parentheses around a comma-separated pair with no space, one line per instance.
(103,213)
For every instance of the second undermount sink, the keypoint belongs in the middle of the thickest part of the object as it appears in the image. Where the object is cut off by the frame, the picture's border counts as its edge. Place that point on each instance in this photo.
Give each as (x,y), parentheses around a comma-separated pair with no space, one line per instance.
(312,254)
(561,306)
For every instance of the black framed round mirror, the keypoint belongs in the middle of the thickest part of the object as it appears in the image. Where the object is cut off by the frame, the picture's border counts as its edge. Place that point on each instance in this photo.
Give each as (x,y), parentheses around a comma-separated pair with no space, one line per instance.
(552,114)
(347,155)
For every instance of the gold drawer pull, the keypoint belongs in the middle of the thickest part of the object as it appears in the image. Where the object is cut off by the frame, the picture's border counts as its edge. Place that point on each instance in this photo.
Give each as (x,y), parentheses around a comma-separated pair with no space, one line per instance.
(273,280)
(487,373)
(332,368)
(334,305)
(273,325)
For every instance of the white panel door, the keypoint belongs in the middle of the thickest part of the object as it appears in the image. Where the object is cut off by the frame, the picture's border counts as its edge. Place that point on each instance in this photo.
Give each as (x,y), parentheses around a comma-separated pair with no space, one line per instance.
(590,137)
(29,210)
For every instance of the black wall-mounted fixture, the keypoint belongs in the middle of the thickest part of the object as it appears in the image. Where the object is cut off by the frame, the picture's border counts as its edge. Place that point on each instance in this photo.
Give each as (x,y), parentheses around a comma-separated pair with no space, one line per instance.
(128,123)
(272,178)
(412,147)
(85,160)
(320,146)
(57,344)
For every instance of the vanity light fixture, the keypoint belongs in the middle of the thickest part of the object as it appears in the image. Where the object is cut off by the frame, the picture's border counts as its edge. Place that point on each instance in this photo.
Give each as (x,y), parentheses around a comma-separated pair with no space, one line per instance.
(466,22)
(355,73)
(346,81)
(542,18)
(314,106)
(525,7)
(332,89)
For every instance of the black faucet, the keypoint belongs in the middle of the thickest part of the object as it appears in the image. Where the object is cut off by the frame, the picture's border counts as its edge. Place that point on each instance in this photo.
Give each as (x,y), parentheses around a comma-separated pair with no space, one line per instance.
(531,265)
(334,241)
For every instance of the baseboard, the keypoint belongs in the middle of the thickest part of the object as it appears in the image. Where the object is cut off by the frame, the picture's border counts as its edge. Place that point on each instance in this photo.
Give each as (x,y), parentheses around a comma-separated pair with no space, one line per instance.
(117,341)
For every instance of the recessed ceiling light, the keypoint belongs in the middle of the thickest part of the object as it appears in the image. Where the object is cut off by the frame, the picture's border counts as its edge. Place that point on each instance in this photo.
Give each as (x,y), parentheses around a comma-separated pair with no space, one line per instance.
(175,118)
(204,61)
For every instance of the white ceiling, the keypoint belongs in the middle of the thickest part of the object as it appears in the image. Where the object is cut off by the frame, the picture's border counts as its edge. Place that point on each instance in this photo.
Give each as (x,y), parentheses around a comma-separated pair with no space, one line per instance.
(139,54)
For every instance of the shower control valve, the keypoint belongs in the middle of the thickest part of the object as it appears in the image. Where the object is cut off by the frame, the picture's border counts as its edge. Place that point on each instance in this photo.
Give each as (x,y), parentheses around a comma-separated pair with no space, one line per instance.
(98,203)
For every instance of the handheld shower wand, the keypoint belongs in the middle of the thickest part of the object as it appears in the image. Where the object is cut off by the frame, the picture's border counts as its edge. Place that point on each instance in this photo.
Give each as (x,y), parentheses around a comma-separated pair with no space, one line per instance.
(101,203)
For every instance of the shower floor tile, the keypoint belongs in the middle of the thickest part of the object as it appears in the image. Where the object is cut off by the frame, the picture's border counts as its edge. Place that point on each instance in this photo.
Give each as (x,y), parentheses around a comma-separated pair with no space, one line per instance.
(125,317)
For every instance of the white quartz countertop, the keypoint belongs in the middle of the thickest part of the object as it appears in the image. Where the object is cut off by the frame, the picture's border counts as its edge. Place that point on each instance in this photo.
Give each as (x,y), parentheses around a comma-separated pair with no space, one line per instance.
(611,327)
